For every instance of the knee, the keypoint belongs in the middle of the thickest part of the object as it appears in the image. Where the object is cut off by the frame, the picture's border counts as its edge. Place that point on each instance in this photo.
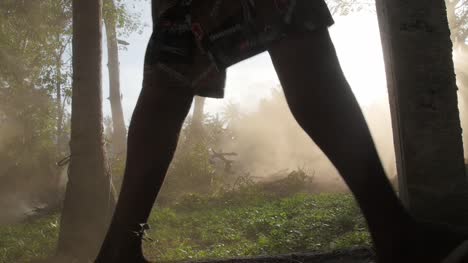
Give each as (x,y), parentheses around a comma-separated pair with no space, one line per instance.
(162,90)
(160,105)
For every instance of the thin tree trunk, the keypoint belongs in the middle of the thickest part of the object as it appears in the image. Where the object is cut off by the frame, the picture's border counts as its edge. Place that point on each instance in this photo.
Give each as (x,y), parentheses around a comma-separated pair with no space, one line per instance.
(89,197)
(196,126)
(58,90)
(119,134)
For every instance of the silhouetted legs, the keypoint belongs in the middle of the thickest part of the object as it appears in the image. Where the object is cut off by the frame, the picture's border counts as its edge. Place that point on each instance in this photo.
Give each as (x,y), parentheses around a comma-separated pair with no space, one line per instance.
(152,139)
(324,106)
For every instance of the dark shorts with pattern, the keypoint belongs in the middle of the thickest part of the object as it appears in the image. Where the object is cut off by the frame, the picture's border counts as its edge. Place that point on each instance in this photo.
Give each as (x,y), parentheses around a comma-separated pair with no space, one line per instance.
(195,41)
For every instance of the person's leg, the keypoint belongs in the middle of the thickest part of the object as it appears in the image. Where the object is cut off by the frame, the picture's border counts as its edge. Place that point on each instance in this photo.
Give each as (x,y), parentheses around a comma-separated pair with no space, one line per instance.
(152,139)
(323,104)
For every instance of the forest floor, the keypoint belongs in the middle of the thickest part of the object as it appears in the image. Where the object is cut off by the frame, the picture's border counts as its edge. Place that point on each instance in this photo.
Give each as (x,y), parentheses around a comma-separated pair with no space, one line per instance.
(229,226)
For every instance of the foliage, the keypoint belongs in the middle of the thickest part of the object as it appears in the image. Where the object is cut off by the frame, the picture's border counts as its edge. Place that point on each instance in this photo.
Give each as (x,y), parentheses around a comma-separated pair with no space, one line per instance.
(197,169)
(299,223)
(245,191)
(34,36)
(23,242)
(458,18)
(297,181)
(347,7)
(35,86)
(127,21)
(190,170)
(457,14)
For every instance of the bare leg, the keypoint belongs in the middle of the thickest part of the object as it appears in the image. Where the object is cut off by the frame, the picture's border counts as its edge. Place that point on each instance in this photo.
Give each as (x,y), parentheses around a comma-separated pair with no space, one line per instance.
(152,140)
(325,107)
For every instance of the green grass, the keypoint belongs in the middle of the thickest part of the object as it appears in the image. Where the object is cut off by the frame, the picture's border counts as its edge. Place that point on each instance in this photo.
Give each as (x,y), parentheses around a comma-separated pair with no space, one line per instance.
(200,228)
(23,242)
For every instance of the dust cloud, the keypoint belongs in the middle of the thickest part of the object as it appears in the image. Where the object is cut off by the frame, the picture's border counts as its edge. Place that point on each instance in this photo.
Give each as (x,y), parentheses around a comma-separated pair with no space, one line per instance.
(269,142)
(460,58)
(24,192)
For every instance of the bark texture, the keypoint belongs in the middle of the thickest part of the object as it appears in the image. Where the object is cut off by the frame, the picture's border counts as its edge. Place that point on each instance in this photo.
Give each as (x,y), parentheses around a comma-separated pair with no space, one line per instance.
(423,101)
(89,198)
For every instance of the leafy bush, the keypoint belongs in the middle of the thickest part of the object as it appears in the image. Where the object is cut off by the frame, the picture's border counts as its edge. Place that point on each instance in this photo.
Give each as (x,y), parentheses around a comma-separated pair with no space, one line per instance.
(245,191)
(297,181)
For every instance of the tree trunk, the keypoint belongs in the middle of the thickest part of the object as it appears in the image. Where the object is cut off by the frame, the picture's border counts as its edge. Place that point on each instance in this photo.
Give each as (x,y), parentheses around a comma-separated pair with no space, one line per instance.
(196,126)
(89,198)
(58,90)
(424,106)
(119,134)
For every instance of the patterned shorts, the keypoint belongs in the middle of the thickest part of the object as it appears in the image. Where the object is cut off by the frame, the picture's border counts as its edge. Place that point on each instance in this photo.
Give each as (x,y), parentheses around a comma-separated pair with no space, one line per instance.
(195,41)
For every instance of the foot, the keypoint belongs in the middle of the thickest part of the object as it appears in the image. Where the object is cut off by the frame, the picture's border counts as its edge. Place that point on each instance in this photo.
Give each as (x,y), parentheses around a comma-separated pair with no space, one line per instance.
(440,240)
(121,251)
(458,255)
(126,257)
(428,243)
